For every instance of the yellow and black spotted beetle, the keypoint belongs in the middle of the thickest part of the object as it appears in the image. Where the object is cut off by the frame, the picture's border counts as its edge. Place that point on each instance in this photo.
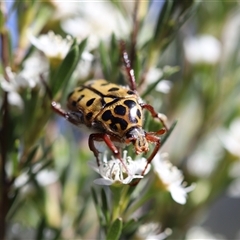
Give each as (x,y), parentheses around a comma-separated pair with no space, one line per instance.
(114,113)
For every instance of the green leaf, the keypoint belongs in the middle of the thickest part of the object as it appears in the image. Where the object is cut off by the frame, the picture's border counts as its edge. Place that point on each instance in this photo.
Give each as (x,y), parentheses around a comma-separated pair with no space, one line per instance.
(163,17)
(94,195)
(30,156)
(40,230)
(67,66)
(105,61)
(119,5)
(97,206)
(105,207)
(115,230)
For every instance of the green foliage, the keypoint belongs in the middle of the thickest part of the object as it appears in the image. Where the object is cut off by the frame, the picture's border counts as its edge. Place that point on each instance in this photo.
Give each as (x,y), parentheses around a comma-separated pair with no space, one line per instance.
(115,230)
(47,189)
(68,65)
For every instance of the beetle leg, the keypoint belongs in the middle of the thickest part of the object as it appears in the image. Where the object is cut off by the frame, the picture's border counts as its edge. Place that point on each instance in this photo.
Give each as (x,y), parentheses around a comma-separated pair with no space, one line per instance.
(150,136)
(127,63)
(154,139)
(106,138)
(160,116)
(75,118)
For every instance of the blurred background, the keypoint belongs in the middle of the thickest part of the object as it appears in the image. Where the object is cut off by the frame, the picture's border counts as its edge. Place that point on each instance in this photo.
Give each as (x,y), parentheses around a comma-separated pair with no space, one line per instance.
(186,57)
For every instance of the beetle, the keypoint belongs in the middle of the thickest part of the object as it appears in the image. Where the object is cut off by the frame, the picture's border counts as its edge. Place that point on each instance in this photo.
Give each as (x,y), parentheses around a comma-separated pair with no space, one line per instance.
(114,113)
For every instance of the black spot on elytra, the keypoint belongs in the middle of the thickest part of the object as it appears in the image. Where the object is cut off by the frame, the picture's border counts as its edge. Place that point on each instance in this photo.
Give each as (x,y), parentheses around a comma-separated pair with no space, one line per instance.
(90,102)
(107,115)
(130,92)
(80,98)
(112,102)
(113,89)
(89,115)
(123,124)
(139,114)
(80,89)
(130,103)
(120,110)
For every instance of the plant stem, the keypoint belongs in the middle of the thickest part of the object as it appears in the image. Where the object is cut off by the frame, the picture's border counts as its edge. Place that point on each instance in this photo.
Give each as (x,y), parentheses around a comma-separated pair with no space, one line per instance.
(120,201)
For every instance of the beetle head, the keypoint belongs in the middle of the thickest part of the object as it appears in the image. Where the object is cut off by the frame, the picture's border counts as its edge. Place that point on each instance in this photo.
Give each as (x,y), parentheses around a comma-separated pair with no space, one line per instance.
(137,136)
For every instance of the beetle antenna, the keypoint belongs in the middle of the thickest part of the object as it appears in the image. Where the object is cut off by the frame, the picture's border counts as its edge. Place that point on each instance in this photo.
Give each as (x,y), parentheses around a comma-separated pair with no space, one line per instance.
(134,32)
(128,67)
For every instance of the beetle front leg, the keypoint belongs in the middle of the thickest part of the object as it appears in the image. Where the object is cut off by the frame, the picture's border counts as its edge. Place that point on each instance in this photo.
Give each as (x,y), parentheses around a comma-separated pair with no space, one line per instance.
(106,138)
(156,140)
(128,67)
(150,136)
(160,116)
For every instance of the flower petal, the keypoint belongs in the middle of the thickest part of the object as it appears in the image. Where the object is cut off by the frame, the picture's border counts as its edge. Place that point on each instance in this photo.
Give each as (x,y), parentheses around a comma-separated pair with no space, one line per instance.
(103,181)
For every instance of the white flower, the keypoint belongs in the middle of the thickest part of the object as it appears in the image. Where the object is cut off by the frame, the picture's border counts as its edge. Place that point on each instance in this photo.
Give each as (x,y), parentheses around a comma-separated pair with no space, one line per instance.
(150,231)
(153,75)
(231,138)
(44,178)
(84,66)
(52,45)
(97,21)
(171,178)
(113,171)
(206,157)
(29,77)
(230,37)
(65,9)
(198,232)
(202,49)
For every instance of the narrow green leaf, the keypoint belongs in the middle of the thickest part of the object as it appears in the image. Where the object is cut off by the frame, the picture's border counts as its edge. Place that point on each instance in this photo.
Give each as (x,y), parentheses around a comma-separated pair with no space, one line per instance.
(67,66)
(94,195)
(119,5)
(31,155)
(115,230)
(57,234)
(82,212)
(105,207)
(82,46)
(65,174)
(97,206)
(105,61)
(65,69)
(40,229)
(163,17)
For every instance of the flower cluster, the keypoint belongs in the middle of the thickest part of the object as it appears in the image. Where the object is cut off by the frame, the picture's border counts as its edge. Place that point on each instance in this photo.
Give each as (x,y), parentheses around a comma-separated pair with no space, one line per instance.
(115,171)
(52,45)
(171,178)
